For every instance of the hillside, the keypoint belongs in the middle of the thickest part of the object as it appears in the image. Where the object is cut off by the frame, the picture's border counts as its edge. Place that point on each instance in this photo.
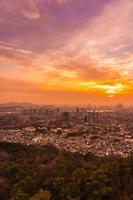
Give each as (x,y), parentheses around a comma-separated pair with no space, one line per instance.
(44,173)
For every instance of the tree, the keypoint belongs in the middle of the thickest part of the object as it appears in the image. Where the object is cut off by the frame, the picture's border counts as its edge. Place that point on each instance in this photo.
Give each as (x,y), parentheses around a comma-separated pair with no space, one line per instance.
(76,187)
(121,177)
(99,186)
(59,185)
(41,195)
(20,195)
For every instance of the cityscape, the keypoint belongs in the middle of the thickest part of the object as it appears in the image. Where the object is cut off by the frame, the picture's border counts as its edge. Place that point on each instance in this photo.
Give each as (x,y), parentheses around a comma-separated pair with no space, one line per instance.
(98,130)
(66,99)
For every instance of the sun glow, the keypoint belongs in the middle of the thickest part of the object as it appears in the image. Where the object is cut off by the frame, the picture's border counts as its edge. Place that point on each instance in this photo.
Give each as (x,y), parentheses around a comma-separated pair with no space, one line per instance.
(110,89)
(60,51)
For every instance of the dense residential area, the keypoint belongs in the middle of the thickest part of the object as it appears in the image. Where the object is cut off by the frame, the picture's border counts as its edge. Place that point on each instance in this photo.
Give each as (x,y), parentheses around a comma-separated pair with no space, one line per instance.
(66,153)
(99,130)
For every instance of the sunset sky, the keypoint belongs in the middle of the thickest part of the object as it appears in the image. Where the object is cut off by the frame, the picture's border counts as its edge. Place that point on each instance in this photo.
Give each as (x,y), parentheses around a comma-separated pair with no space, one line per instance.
(66,51)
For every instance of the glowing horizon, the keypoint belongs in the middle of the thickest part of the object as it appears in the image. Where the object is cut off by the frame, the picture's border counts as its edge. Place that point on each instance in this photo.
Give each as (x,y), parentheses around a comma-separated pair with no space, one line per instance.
(66,51)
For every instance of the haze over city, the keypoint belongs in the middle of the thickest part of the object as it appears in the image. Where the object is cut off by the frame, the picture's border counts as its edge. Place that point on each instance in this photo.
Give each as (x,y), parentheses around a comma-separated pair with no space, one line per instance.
(66,51)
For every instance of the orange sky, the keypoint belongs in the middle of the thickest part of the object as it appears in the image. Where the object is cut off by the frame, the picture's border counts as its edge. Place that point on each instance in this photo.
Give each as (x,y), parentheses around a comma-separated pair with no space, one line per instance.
(66,51)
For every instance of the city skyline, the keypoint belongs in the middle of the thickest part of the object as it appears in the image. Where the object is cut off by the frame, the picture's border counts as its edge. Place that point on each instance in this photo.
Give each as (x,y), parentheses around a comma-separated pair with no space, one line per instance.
(66,51)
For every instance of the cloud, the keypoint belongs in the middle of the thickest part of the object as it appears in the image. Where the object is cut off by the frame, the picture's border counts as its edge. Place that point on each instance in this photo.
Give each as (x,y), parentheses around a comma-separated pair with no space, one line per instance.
(60,1)
(80,46)
(13,8)
(31,15)
(105,42)
(15,85)
(31,11)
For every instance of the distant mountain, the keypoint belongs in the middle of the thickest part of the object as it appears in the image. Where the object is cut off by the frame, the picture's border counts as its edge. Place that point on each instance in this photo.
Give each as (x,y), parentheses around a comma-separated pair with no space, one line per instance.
(14,104)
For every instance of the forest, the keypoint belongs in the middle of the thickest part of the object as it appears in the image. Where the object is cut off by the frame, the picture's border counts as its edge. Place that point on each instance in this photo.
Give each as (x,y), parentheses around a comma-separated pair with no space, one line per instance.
(38,172)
